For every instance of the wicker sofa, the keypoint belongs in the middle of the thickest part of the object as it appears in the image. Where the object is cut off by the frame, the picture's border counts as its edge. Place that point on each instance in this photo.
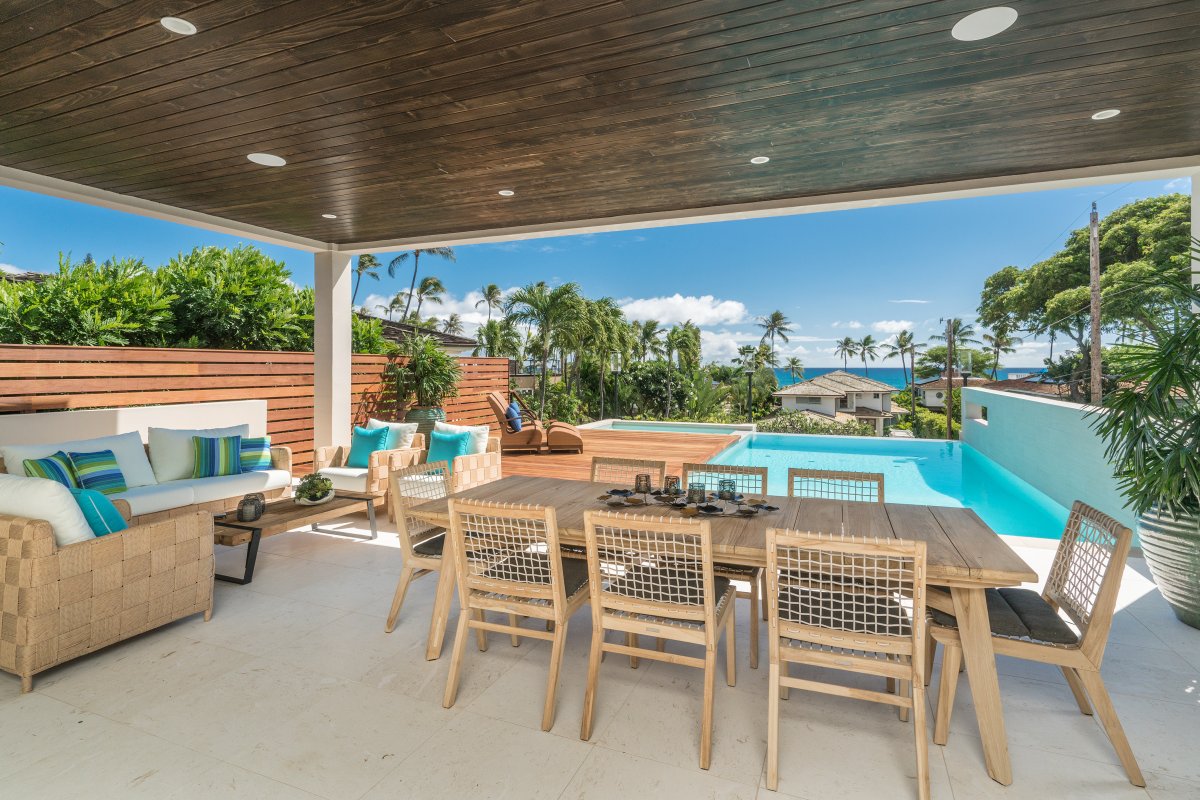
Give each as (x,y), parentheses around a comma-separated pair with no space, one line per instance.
(59,603)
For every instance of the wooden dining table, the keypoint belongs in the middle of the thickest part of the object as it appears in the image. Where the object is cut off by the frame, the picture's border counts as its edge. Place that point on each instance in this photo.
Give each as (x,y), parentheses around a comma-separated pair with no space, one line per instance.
(964,557)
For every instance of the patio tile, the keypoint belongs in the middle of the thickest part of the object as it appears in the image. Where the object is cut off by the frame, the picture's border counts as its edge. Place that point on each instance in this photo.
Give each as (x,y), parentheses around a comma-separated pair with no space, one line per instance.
(1163,787)
(36,726)
(349,647)
(1163,735)
(608,774)
(227,782)
(257,623)
(478,757)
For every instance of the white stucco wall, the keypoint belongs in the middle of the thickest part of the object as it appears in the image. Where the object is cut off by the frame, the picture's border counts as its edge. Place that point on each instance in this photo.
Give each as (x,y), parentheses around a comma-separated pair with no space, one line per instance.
(1046,442)
(792,403)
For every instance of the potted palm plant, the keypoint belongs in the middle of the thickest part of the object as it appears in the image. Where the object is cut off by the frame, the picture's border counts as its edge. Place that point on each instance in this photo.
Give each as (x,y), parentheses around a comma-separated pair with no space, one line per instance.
(425,377)
(1152,430)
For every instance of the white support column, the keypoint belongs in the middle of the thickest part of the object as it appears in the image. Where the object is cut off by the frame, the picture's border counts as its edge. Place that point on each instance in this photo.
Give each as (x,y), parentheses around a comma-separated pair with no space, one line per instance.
(331,349)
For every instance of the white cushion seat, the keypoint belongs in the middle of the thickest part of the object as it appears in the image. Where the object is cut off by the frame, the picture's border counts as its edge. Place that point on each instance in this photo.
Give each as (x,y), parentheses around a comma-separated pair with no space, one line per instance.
(38,498)
(347,479)
(155,498)
(222,487)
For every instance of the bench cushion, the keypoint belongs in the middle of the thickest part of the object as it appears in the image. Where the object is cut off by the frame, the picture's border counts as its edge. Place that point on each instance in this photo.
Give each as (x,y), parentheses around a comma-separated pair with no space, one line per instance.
(1019,614)
(348,479)
(171,450)
(155,498)
(207,490)
(127,447)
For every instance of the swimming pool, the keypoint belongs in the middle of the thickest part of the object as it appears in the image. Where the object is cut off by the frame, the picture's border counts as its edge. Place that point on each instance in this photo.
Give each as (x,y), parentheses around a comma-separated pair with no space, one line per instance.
(669,427)
(925,472)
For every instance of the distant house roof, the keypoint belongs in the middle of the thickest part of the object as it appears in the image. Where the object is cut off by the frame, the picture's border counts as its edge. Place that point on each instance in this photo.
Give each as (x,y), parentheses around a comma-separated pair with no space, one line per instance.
(940,383)
(23,277)
(835,384)
(396,331)
(1035,384)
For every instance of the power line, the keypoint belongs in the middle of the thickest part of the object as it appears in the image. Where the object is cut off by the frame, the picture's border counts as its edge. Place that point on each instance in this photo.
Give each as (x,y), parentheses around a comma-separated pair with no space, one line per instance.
(1071,224)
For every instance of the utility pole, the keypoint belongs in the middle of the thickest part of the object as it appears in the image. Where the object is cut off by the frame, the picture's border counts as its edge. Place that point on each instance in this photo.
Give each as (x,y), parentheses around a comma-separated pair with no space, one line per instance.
(949,378)
(1094,248)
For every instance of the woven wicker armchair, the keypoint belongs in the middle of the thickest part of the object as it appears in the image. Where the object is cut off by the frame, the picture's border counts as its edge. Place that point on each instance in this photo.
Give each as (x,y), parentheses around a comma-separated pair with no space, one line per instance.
(379,463)
(470,471)
(59,603)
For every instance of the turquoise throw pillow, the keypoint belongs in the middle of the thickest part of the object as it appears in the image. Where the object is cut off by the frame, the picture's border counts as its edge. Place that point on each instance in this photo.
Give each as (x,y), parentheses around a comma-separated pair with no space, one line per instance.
(447,447)
(365,442)
(57,468)
(214,456)
(98,471)
(101,515)
(256,453)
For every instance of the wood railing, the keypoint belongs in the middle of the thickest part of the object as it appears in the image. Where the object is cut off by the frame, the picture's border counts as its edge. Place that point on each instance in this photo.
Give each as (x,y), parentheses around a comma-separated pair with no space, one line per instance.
(51,378)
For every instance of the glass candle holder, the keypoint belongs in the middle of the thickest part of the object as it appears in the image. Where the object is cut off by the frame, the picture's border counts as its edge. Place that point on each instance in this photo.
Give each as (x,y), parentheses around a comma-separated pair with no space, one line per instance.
(671,485)
(727,489)
(696,493)
(641,483)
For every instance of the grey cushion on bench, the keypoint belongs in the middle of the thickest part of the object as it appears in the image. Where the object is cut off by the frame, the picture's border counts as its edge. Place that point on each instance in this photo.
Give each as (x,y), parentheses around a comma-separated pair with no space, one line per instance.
(1019,614)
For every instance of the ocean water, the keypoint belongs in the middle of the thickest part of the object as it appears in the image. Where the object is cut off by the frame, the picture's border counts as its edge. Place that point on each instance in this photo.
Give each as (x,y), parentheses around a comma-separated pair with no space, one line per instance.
(922,472)
(893,376)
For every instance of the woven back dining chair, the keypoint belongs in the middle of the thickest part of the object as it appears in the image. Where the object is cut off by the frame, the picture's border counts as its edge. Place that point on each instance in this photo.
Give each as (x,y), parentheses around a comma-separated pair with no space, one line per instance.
(507,560)
(854,487)
(619,473)
(421,543)
(1083,584)
(654,576)
(852,605)
(751,482)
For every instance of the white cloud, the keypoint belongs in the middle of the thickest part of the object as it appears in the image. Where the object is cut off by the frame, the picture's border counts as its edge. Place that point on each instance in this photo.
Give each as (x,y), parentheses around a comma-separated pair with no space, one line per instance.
(892,325)
(676,309)
(852,325)
(11,269)
(470,316)
(910,302)
(1178,185)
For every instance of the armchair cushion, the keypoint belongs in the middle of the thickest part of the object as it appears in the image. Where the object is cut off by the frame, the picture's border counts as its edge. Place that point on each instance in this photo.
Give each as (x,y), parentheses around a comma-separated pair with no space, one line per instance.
(448,446)
(37,498)
(479,435)
(347,479)
(401,436)
(101,515)
(364,443)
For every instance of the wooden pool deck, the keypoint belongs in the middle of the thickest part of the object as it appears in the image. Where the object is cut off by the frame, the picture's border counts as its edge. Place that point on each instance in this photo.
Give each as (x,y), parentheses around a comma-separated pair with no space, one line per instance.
(674,448)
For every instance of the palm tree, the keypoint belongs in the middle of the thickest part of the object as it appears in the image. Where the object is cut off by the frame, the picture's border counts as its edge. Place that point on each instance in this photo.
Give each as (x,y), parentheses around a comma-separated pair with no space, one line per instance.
(847,348)
(774,325)
(868,348)
(498,338)
(550,309)
(431,290)
(689,346)
(747,356)
(999,341)
(492,296)
(367,265)
(904,341)
(452,325)
(441,252)
(649,340)
(957,333)
(794,367)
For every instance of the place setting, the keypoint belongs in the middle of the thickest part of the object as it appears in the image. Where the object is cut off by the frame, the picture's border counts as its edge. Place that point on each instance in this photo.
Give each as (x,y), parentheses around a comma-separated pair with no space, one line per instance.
(697,501)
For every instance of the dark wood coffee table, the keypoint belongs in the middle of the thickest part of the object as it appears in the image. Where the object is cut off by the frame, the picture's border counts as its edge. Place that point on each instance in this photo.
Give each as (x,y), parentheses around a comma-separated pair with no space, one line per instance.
(286,515)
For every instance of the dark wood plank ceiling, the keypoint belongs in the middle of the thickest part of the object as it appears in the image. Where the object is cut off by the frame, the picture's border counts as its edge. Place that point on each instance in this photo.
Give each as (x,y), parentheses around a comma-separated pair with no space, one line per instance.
(404,117)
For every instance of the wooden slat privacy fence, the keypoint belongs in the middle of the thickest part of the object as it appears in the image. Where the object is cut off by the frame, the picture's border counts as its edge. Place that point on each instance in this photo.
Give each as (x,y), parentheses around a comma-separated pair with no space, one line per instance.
(50,378)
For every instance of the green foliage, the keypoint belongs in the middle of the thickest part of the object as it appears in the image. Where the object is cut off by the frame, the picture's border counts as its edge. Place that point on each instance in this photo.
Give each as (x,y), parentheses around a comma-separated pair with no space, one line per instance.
(647,382)
(428,374)
(563,405)
(800,422)
(932,362)
(927,424)
(313,487)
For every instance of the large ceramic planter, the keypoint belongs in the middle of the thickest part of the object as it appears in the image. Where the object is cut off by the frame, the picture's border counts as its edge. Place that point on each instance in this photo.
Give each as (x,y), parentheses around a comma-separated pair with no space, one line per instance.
(1172,549)
(424,416)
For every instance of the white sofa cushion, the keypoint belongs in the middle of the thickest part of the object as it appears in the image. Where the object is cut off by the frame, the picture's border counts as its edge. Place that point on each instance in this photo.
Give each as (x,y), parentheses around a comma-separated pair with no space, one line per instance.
(159,497)
(479,435)
(38,498)
(347,479)
(207,490)
(171,450)
(127,447)
(402,432)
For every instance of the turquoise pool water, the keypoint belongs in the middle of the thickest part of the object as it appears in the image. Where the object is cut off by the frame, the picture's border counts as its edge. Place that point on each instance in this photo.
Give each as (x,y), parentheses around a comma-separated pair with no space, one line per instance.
(915,471)
(672,427)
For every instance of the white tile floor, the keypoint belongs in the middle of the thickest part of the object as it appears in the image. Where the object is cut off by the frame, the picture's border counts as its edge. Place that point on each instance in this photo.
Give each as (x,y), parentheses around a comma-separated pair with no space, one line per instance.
(294,691)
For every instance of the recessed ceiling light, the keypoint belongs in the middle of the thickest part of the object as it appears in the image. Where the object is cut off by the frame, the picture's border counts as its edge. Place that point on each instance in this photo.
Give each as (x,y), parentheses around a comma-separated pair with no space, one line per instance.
(759,160)
(266,159)
(1107,113)
(177,25)
(506,193)
(329,216)
(984,23)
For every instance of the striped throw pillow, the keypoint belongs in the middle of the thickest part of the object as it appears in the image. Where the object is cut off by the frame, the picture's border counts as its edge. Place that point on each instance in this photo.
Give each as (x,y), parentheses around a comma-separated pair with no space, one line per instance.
(216,456)
(56,468)
(256,453)
(98,471)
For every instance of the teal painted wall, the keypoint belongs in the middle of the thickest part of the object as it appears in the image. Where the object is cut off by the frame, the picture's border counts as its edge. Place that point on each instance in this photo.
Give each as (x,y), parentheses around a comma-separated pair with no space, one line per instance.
(1046,442)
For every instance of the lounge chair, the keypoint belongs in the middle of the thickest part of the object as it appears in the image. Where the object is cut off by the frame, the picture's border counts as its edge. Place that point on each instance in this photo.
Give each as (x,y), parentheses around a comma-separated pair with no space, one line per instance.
(556,436)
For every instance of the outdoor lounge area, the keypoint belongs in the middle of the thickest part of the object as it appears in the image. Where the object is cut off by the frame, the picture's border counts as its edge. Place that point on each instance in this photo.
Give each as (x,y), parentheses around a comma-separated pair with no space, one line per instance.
(279,547)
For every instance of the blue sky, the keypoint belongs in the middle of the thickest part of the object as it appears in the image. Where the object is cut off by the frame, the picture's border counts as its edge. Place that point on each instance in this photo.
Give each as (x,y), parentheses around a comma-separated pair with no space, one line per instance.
(833,274)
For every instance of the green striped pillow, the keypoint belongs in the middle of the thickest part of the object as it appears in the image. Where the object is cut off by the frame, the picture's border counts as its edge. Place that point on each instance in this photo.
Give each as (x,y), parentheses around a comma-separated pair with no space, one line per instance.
(98,471)
(216,456)
(256,453)
(56,468)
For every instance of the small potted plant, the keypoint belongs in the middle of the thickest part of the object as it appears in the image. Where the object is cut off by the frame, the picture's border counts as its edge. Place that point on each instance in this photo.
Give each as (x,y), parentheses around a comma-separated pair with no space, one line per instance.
(426,377)
(1151,425)
(313,490)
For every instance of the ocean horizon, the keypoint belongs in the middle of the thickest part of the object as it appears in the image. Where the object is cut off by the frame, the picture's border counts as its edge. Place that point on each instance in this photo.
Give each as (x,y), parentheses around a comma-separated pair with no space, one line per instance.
(893,376)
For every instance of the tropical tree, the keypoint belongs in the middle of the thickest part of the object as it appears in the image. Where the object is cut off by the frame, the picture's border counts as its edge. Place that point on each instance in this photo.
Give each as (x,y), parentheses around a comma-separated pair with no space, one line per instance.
(492,296)
(958,334)
(847,348)
(775,325)
(867,348)
(498,338)
(439,252)
(452,325)
(688,346)
(430,290)
(999,341)
(649,339)
(548,309)
(795,368)
(367,265)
